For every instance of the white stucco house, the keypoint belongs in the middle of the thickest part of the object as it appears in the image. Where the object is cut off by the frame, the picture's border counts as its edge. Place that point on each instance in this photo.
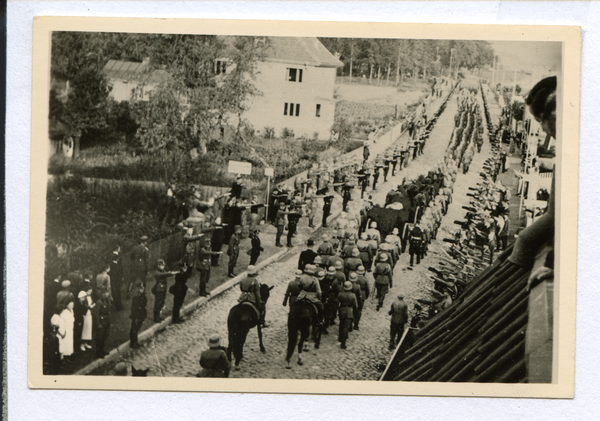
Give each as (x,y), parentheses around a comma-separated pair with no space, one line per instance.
(296,78)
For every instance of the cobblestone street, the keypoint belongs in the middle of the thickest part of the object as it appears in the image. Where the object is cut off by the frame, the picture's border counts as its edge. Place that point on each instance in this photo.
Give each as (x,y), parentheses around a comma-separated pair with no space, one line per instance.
(176,351)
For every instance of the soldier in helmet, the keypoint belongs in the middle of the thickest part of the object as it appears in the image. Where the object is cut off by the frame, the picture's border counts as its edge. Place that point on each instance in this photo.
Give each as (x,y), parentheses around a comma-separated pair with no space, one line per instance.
(383,278)
(310,290)
(347,306)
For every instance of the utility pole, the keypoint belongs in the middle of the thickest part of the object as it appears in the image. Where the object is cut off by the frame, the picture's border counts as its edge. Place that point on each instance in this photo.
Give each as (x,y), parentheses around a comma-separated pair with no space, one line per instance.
(351,58)
(450,69)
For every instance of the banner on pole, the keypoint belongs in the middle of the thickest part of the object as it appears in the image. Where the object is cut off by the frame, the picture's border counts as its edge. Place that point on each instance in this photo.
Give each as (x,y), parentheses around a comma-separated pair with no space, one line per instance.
(239,167)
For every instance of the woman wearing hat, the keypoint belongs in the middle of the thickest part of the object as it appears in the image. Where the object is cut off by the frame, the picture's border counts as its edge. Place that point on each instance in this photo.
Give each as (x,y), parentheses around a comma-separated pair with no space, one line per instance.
(214,360)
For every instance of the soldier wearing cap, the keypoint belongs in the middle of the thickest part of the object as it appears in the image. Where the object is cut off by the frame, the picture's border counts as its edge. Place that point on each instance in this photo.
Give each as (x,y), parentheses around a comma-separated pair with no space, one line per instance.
(293,289)
(138,313)
(233,251)
(347,306)
(399,313)
(214,360)
(160,288)
(139,263)
(383,278)
(311,290)
(203,265)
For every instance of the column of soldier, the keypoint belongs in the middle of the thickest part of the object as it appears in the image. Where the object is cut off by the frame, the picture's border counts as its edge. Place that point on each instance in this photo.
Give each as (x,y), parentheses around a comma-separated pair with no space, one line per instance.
(334,277)
(488,212)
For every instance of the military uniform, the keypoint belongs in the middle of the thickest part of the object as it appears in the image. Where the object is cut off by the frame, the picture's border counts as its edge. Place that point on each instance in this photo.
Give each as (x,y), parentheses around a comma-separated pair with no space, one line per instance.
(160,292)
(416,244)
(280,224)
(137,316)
(250,291)
(214,363)
(204,266)
(233,252)
(116,278)
(179,290)
(399,313)
(291,293)
(347,306)
(383,281)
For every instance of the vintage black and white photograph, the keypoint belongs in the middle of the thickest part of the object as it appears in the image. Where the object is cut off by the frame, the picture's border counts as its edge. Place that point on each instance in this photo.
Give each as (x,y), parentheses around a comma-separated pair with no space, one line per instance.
(220,204)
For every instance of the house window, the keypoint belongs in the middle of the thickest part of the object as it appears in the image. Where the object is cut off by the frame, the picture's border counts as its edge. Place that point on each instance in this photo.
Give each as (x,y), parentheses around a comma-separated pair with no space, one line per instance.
(294,75)
(290,107)
(318,113)
(220,67)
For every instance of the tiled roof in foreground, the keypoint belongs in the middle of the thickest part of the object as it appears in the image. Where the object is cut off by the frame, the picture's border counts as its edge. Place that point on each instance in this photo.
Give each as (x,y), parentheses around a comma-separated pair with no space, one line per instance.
(482,337)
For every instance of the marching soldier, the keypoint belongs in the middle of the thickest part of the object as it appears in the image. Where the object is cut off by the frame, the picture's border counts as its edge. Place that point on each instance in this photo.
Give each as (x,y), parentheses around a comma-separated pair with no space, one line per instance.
(416,243)
(347,305)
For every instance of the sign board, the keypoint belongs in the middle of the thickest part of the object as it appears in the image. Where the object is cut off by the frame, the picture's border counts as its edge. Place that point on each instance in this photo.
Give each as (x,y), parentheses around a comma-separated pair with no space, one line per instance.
(238,167)
(269,172)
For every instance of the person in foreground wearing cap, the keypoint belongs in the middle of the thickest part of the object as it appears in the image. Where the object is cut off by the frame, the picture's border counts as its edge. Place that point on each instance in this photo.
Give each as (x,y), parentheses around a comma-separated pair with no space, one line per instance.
(307,257)
(138,314)
(383,278)
(179,289)
(160,288)
(251,291)
(293,289)
(214,360)
(139,263)
(399,313)
(348,305)
(233,251)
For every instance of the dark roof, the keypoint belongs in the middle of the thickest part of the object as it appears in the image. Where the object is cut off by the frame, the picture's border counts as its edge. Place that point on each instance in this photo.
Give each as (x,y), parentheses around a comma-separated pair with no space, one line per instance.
(479,338)
(131,70)
(300,50)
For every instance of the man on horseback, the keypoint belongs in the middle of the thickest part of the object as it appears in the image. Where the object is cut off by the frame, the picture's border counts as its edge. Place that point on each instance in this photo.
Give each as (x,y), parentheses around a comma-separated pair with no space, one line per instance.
(293,289)
(310,290)
(251,292)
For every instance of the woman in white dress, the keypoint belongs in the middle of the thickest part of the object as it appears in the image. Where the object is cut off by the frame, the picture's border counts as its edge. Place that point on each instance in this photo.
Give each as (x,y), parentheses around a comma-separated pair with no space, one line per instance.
(86,333)
(66,341)
(58,326)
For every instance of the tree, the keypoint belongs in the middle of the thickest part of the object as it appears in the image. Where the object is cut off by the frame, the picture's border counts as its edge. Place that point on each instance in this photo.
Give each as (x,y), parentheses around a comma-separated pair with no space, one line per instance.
(85,103)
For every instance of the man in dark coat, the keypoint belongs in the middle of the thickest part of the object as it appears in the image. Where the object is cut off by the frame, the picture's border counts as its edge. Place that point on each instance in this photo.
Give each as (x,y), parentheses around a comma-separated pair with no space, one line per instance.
(179,289)
(160,289)
(415,244)
(139,263)
(366,153)
(383,278)
(116,276)
(256,247)
(347,305)
(101,321)
(327,200)
(293,219)
(233,251)
(138,313)
(399,313)
(307,257)
(203,265)
(214,360)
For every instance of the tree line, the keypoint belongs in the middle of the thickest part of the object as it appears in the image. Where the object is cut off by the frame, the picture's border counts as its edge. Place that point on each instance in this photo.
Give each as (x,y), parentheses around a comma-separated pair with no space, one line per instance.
(395,59)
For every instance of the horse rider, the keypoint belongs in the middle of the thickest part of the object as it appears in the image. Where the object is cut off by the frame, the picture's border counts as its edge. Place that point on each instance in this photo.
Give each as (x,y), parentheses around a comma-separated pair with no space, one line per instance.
(310,290)
(293,289)
(251,291)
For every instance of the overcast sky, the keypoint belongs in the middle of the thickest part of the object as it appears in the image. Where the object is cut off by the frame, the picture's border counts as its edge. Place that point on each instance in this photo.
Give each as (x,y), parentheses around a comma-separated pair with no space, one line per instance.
(532,56)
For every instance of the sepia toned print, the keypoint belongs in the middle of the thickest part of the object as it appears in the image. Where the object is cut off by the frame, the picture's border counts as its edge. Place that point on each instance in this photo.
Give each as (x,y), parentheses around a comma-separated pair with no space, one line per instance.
(321,210)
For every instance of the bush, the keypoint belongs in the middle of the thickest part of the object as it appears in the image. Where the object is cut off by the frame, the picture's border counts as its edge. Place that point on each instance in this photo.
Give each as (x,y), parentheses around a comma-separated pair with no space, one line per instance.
(269,133)
(287,133)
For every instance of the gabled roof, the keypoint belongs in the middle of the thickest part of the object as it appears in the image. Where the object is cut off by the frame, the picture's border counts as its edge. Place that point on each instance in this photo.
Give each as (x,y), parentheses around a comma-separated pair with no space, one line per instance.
(300,50)
(136,71)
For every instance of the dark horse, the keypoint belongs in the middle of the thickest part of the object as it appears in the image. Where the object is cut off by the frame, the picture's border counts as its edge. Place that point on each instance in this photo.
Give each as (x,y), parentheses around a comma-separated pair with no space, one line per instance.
(302,316)
(242,317)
